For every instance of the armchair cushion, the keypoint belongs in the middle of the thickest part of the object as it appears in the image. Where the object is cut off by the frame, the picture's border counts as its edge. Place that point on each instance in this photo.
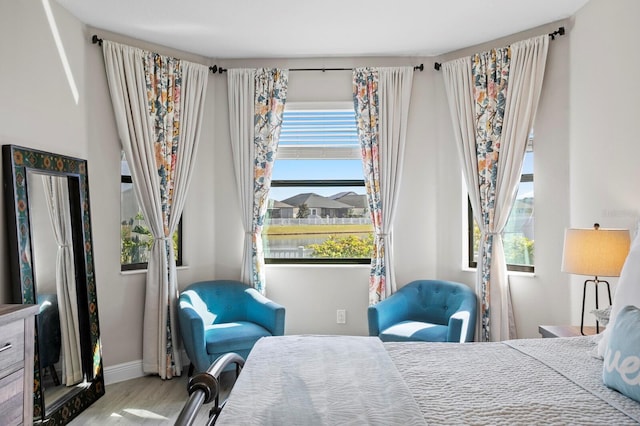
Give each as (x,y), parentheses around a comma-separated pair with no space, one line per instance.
(429,310)
(233,336)
(221,316)
(414,330)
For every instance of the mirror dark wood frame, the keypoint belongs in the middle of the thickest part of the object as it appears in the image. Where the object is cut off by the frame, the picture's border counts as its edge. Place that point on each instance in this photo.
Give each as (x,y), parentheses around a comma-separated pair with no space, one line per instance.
(17,161)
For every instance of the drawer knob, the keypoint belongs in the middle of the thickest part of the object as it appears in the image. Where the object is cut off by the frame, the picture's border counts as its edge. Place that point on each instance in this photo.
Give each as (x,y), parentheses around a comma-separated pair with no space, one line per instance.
(6,347)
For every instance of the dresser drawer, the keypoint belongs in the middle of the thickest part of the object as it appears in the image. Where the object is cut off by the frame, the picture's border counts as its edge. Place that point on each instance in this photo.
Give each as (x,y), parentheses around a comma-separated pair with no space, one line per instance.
(12,344)
(11,398)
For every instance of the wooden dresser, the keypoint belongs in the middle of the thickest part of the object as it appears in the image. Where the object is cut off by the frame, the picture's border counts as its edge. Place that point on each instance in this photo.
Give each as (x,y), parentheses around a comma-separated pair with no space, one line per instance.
(17,329)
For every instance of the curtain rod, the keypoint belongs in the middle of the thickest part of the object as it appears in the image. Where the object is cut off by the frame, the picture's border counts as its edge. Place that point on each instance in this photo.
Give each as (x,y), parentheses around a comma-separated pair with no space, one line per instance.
(559,32)
(216,69)
(97,40)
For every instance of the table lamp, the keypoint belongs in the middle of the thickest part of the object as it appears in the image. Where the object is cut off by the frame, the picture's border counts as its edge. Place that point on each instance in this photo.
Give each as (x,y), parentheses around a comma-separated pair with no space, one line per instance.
(597,252)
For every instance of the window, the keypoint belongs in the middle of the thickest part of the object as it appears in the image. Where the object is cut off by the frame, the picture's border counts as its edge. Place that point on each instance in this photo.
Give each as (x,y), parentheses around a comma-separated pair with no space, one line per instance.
(135,237)
(318,211)
(518,234)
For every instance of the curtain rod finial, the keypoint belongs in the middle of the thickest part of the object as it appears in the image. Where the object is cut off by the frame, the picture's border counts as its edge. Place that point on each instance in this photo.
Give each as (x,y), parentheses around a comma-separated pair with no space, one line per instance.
(95,39)
(437,66)
(419,68)
(559,32)
(216,69)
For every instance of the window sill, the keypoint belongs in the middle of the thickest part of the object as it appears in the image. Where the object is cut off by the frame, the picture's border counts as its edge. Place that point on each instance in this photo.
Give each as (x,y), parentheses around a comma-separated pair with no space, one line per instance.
(319,265)
(144,271)
(509,273)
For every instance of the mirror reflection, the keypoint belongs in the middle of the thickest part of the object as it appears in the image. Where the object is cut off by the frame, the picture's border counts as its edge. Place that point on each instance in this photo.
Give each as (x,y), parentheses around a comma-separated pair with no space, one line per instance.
(53,260)
(51,257)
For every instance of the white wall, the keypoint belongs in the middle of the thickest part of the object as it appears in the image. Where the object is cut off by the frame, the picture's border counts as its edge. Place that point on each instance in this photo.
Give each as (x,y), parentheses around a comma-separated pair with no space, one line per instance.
(37,107)
(38,111)
(605,89)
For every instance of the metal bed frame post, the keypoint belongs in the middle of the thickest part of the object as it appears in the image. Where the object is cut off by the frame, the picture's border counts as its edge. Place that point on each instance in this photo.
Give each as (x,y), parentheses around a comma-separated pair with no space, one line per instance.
(205,387)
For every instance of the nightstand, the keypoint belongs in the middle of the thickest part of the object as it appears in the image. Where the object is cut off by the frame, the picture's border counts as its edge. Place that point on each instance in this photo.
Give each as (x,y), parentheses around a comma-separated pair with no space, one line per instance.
(566,330)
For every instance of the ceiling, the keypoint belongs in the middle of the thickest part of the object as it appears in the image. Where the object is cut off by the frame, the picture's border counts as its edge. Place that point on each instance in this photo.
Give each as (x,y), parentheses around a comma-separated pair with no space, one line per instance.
(328,28)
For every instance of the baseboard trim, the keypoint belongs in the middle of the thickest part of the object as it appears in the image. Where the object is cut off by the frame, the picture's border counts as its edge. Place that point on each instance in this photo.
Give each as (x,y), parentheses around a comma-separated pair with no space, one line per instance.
(132,370)
(121,372)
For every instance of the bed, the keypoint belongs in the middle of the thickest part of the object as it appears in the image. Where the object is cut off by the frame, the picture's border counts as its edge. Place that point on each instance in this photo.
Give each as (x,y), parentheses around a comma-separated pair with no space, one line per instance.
(357,380)
(351,380)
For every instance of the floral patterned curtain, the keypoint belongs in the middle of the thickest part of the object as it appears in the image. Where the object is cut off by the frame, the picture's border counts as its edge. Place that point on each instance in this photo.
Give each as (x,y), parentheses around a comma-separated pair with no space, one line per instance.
(490,73)
(382,92)
(270,99)
(365,97)
(163,77)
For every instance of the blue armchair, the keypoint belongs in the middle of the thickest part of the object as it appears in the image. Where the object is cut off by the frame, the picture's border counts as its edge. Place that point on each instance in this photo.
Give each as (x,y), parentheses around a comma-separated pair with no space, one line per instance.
(428,310)
(221,316)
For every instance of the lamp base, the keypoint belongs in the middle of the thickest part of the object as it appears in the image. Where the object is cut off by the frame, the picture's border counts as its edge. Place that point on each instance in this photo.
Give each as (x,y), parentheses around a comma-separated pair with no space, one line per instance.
(595,282)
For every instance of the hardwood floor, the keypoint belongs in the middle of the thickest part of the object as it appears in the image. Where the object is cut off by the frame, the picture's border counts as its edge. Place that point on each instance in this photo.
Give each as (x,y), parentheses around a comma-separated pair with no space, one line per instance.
(145,401)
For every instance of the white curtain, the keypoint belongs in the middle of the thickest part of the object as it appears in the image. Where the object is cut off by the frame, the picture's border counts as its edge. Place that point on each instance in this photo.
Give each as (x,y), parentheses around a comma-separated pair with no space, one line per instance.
(57,197)
(395,94)
(381,103)
(241,112)
(525,75)
(127,76)
(257,99)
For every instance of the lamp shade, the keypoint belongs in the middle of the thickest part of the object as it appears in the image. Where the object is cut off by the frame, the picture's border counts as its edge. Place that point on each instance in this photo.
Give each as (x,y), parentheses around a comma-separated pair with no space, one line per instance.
(597,252)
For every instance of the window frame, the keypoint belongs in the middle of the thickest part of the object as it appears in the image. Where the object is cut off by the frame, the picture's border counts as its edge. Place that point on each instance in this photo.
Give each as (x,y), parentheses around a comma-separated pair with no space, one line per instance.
(140,266)
(524,178)
(339,153)
(316,260)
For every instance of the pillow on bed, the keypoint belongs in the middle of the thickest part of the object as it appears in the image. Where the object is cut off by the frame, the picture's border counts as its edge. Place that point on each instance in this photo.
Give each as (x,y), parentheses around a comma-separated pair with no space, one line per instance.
(627,291)
(621,367)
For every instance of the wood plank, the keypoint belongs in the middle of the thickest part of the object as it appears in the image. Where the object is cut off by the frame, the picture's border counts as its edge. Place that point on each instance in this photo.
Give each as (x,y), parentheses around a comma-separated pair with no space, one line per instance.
(146,400)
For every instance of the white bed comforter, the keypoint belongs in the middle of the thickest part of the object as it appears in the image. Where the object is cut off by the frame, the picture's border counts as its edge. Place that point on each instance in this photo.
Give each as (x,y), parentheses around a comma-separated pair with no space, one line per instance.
(341,380)
(320,380)
(517,382)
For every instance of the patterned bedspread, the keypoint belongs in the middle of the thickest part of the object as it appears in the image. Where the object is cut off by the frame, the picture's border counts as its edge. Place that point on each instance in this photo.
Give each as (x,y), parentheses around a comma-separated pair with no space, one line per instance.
(341,380)
(528,381)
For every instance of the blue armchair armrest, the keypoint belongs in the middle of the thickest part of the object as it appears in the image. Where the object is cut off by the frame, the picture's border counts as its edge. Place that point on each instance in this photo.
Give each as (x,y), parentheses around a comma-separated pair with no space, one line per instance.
(192,329)
(462,323)
(265,312)
(386,313)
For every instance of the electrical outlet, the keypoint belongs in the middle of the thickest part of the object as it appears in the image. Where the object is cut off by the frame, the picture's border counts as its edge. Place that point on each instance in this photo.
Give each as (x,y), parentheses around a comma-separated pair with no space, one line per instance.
(341,316)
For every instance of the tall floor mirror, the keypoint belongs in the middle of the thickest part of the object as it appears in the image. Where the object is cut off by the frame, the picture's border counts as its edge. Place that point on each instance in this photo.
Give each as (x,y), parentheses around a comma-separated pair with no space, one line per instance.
(51,259)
